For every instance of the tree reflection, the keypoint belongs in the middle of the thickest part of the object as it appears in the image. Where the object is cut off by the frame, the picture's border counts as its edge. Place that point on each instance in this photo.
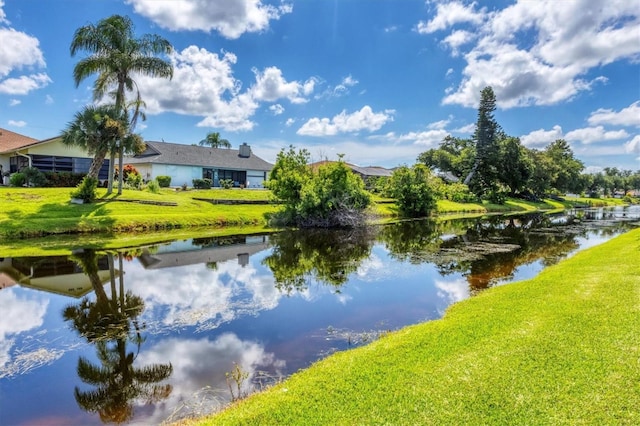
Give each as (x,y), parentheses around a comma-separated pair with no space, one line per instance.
(328,256)
(110,323)
(484,250)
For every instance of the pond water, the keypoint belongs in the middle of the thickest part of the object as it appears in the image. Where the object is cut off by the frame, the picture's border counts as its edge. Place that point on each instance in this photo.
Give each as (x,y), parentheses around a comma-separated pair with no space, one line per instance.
(154,333)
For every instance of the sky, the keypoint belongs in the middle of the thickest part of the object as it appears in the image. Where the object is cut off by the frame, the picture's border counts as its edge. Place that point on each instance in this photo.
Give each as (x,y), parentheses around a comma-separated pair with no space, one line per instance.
(378,81)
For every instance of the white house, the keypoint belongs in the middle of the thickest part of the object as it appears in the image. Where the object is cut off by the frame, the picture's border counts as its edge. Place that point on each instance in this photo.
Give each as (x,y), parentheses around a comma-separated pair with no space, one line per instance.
(184,163)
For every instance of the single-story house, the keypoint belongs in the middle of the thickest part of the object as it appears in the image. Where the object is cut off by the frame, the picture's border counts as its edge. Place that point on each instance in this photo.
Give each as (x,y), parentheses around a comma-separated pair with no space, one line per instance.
(184,163)
(49,155)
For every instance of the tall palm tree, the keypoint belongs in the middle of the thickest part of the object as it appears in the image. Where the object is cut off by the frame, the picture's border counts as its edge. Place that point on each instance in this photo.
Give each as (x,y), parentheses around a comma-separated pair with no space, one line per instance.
(116,55)
(214,141)
(96,129)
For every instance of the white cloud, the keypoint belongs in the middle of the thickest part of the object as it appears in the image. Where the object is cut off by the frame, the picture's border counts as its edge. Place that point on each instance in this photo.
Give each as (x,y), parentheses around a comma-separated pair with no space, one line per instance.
(453,291)
(539,138)
(14,102)
(468,128)
(633,145)
(365,119)
(271,86)
(429,138)
(391,29)
(629,116)
(204,85)
(15,123)
(231,18)
(276,109)
(19,52)
(3,17)
(48,100)
(448,14)
(457,39)
(449,72)
(24,84)
(438,125)
(589,135)
(538,53)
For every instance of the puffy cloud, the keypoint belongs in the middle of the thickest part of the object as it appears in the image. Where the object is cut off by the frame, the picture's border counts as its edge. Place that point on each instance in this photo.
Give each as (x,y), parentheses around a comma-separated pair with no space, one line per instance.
(14,102)
(457,39)
(271,86)
(453,291)
(438,125)
(629,116)
(290,122)
(365,119)
(448,14)
(537,53)
(276,109)
(468,128)
(204,85)
(24,84)
(19,51)
(589,135)
(231,18)
(633,145)
(19,123)
(428,138)
(539,138)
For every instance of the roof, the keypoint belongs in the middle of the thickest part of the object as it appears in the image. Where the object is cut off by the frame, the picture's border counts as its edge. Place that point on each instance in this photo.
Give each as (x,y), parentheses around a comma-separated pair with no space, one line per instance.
(195,155)
(364,171)
(10,141)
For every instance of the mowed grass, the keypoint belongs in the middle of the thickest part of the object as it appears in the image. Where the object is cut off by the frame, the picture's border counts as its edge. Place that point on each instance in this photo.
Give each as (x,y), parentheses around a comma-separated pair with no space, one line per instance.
(39,211)
(560,349)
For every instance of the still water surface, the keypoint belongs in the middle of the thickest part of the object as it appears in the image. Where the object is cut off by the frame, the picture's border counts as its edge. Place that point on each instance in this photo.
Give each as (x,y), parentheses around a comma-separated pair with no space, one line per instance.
(147,334)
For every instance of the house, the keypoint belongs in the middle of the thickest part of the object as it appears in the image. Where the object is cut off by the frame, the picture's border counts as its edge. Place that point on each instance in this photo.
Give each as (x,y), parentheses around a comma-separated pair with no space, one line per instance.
(368,174)
(49,155)
(184,163)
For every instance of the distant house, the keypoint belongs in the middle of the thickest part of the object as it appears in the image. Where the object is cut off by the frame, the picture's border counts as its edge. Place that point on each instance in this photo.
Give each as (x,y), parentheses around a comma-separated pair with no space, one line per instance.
(49,155)
(366,173)
(187,162)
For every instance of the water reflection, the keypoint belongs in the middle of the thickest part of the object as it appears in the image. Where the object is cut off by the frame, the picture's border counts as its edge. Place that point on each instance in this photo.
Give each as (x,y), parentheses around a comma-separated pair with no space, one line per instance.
(110,323)
(149,328)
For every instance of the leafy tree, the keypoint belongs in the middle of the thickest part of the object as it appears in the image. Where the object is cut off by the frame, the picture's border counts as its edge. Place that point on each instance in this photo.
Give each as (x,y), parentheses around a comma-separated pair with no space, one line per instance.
(454,155)
(515,165)
(565,169)
(214,141)
(481,178)
(414,190)
(115,54)
(333,196)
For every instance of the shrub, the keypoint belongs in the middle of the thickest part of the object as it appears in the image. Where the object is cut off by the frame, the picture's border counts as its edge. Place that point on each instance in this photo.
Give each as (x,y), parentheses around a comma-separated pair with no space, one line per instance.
(34,177)
(86,191)
(153,186)
(164,181)
(63,179)
(458,192)
(134,180)
(127,169)
(17,179)
(414,190)
(202,183)
(226,183)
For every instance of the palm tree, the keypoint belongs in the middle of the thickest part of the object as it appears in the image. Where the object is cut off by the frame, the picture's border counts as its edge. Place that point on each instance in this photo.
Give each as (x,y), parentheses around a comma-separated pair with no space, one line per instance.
(214,141)
(96,129)
(116,55)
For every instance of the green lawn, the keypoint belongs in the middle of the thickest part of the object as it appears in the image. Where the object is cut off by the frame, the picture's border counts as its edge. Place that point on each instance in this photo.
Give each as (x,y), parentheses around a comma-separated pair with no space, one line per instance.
(560,349)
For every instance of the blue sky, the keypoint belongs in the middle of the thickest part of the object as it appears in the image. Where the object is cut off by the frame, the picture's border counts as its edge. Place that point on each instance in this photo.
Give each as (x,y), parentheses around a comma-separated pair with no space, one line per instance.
(377,80)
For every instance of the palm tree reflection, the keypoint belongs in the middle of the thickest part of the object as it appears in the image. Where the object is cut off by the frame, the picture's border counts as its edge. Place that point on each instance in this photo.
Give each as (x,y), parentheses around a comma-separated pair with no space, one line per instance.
(111,323)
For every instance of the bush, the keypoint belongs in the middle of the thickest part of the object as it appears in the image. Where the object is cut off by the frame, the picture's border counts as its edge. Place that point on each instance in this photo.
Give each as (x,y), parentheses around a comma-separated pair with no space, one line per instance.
(164,181)
(153,186)
(458,192)
(128,169)
(414,190)
(34,177)
(17,179)
(86,191)
(134,180)
(63,179)
(226,183)
(202,183)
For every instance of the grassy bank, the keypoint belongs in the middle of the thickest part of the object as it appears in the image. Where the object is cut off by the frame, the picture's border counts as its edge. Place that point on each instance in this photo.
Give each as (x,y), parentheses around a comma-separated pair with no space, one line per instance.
(563,348)
(35,212)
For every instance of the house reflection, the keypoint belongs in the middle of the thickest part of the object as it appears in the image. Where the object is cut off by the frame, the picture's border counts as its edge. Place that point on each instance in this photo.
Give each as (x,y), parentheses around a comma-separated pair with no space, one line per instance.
(53,274)
(204,251)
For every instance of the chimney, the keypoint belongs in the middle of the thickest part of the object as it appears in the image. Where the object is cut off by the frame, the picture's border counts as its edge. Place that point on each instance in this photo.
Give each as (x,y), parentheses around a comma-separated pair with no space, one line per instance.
(245,150)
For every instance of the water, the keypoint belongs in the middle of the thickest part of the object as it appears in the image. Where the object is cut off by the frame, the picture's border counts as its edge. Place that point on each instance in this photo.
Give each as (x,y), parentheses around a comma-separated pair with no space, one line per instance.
(168,323)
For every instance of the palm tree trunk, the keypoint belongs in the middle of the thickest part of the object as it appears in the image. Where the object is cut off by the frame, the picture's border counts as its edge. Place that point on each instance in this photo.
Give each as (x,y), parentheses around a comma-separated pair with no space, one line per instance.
(112,160)
(120,168)
(96,164)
